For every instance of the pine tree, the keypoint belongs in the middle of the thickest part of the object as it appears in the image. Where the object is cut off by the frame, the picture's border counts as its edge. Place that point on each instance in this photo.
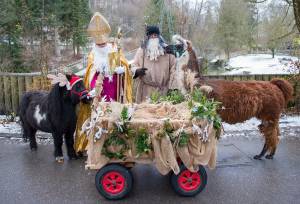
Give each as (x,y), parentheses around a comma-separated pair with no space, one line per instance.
(10,44)
(251,26)
(157,13)
(233,25)
(74,20)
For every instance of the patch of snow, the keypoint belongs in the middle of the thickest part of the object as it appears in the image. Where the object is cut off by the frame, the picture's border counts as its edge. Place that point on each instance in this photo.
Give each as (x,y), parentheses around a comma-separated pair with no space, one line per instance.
(10,128)
(3,117)
(247,125)
(249,129)
(285,121)
(261,64)
(7,126)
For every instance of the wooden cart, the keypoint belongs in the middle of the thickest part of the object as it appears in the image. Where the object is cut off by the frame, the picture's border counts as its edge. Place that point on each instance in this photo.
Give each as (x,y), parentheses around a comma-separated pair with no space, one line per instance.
(121,135)
(116,145)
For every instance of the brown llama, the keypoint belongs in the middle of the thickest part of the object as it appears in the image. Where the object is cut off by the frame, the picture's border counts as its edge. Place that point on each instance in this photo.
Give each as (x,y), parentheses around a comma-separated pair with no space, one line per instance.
(241,100)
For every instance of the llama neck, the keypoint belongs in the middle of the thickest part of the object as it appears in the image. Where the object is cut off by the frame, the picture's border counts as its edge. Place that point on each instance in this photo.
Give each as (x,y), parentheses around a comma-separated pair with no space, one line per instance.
(193,63)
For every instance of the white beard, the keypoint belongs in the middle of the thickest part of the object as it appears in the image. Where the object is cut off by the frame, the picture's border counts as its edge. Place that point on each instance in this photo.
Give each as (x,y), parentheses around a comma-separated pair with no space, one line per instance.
(101,62)
(101,59)
(154,49)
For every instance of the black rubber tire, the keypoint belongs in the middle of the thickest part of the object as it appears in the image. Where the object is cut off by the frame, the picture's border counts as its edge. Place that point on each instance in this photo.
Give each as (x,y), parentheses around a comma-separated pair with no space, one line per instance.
(121,170)
(176,187)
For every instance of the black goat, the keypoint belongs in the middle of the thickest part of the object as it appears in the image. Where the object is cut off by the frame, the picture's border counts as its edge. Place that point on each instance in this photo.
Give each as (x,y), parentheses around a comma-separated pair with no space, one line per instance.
(53,112)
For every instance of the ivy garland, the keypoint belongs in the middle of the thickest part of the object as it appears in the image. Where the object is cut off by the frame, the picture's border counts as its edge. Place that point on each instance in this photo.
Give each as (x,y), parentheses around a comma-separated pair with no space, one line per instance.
(174,97)
(203,108)
(142,141)
(169,130)
(123,126)
(114,140)
(154,97)
(183,139)
(124,114)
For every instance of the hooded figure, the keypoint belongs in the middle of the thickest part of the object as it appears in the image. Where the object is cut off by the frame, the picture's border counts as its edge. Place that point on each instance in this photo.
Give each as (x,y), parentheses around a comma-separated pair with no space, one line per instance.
(107,60)
(153,68)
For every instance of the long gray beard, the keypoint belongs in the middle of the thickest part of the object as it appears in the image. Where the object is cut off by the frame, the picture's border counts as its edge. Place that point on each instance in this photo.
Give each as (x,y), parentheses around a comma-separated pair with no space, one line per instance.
(154,49)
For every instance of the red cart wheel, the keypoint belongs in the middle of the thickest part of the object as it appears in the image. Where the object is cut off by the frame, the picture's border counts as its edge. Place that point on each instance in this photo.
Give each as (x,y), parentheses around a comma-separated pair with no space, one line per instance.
(188,183)
(113,181)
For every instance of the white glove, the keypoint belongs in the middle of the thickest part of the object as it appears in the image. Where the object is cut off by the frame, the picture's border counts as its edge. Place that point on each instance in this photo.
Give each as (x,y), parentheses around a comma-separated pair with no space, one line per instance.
(120,70)
(92,93)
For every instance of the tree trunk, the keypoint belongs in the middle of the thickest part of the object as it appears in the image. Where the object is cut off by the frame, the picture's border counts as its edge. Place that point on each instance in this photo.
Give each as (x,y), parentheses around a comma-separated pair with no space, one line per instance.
(296,6)
(227,53)
(74,49)
(273,52)
(78,50)
(56,42)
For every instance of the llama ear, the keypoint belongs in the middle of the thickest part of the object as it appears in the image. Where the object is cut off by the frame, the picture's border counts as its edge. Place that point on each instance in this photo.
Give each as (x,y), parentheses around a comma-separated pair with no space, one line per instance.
(189,44)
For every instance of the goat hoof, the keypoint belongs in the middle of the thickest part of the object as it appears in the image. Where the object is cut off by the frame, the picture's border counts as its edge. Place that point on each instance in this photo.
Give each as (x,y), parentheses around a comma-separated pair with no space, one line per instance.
(59,159)
(73,157)
(269,156)
(258,157)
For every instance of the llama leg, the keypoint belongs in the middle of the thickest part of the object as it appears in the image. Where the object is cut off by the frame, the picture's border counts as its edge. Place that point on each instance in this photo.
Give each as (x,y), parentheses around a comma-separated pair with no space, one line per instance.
(58,141)
(271,146)
(263,152)
(274,140)
(261,128)
(69,139)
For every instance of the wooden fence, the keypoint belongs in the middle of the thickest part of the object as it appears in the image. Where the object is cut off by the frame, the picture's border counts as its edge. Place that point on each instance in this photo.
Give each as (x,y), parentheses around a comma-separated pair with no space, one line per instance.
(13,85)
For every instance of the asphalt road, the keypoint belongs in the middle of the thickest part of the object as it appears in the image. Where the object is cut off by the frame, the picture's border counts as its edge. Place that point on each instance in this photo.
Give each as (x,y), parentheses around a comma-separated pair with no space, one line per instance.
(34,177)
